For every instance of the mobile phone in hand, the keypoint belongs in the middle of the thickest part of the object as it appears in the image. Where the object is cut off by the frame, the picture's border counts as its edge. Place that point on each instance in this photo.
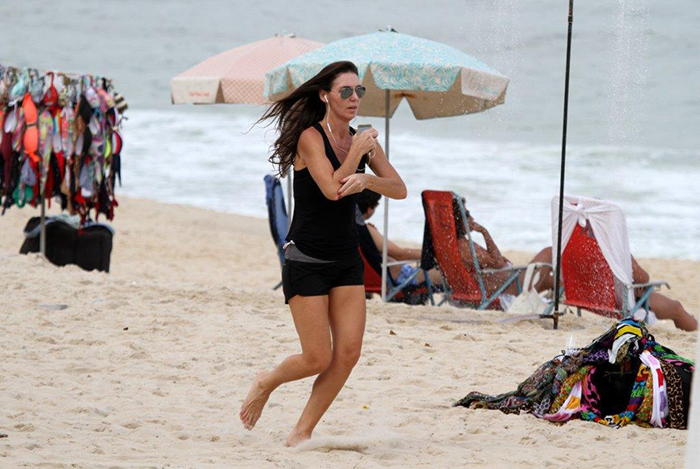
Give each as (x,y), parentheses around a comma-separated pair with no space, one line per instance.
(362,127)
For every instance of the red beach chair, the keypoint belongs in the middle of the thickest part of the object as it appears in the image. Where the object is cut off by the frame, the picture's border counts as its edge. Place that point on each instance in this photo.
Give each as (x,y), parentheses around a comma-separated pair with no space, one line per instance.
(590,284)
(589,281)
(444,213)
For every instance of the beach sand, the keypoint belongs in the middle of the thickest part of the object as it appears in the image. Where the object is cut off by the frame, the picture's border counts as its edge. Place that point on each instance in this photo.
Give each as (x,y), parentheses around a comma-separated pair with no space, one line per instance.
(147,365)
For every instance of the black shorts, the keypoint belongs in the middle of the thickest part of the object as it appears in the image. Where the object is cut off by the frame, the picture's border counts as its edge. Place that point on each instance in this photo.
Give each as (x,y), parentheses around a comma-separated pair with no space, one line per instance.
(315,279)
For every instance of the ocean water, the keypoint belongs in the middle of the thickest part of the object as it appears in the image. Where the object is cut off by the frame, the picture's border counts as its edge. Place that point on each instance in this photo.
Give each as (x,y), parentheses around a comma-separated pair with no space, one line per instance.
(633,115)
(219,163)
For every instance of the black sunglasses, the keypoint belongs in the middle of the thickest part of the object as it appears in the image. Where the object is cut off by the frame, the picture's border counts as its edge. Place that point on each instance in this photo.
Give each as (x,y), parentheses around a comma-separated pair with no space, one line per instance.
(346,91)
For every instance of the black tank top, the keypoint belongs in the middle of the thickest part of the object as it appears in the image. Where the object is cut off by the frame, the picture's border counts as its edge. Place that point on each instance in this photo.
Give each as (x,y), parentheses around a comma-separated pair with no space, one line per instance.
(323,228)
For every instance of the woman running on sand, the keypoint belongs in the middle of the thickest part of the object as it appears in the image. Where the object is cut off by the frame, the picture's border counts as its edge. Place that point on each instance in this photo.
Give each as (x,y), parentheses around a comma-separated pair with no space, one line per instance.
(323,278)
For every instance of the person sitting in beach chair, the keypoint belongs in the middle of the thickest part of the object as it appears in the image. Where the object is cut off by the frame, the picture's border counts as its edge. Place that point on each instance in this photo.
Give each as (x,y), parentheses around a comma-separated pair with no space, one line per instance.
(594,238)
(497,267)
(474,275)
(403,268)
(659,304)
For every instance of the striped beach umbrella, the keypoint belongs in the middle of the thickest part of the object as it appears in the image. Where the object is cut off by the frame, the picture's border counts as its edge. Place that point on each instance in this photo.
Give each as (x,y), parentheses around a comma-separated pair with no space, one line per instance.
(437,81)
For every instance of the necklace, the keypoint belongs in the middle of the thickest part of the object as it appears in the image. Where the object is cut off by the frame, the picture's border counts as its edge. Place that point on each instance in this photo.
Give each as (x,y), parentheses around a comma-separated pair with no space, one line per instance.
(328,124)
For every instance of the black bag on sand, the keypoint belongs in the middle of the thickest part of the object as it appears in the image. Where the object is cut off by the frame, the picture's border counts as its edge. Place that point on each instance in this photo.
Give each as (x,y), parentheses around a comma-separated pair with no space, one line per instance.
(89,248)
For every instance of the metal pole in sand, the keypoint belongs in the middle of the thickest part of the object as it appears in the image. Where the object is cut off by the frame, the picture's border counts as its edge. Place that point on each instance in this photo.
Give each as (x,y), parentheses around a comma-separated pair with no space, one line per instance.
(385,244)
(556,313)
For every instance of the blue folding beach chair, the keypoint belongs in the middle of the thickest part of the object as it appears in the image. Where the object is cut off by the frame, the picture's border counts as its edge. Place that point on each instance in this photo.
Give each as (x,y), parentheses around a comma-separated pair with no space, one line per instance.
(277,216)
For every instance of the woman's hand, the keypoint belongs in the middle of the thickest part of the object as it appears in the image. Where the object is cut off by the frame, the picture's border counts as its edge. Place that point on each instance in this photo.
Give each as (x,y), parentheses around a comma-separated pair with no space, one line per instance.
(364,142)
(474,226)
(354,183)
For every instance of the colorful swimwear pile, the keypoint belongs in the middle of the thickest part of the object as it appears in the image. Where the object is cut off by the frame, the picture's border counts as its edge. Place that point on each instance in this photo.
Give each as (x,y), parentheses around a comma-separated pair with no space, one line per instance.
(623,377)
(61,143)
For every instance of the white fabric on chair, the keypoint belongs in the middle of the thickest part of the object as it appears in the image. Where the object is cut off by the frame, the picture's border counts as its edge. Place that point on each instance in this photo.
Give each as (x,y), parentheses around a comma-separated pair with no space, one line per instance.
(610,228)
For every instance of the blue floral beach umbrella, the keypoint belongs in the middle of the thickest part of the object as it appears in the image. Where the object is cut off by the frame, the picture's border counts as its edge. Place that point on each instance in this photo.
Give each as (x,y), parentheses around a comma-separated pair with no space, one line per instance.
(437,81)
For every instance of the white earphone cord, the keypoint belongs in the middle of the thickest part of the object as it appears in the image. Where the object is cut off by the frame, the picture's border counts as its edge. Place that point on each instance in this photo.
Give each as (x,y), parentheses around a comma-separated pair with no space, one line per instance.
(370,154)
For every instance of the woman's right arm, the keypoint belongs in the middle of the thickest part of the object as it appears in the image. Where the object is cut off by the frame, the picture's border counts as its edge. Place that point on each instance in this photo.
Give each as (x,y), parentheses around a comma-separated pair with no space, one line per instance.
(312,152)
(496,259)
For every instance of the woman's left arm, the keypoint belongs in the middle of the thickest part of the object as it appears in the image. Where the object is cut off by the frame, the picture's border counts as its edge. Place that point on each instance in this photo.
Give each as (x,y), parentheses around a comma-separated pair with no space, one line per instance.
(385,180)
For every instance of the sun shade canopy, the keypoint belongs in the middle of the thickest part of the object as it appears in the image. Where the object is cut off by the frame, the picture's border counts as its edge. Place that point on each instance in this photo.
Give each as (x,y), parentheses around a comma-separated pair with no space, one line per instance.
(436,79)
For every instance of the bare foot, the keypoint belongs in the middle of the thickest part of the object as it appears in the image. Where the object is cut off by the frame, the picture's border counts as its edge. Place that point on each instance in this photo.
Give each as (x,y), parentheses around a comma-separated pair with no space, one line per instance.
(297,437)
(255,401)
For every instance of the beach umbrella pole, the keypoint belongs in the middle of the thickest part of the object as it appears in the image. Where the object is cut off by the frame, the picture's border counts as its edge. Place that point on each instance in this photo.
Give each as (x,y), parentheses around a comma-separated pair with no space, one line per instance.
(385,244)
(557,269)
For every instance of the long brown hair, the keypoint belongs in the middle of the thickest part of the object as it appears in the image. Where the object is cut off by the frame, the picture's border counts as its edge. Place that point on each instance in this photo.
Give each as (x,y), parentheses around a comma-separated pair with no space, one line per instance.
(299,111)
